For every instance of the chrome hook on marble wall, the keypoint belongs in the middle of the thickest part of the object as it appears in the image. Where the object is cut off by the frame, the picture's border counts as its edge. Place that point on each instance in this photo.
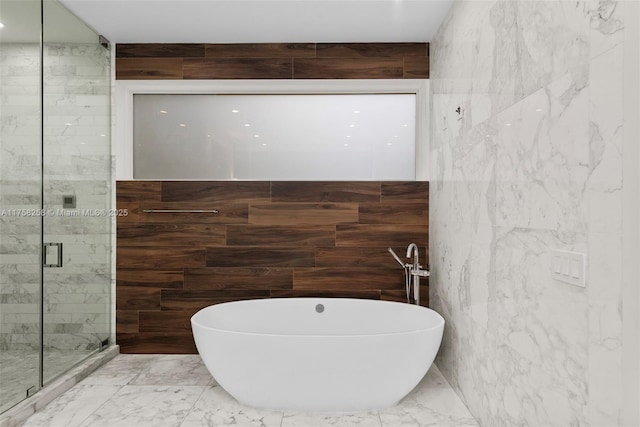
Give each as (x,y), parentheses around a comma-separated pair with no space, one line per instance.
(460,112)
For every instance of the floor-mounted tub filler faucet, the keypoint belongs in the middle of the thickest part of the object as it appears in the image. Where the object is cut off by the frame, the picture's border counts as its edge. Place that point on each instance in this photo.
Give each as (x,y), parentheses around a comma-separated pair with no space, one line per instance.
(412,272)
(416,271)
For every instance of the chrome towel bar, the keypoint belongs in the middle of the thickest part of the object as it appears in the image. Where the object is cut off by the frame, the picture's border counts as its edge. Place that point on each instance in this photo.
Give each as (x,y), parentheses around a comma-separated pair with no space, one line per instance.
(214,211)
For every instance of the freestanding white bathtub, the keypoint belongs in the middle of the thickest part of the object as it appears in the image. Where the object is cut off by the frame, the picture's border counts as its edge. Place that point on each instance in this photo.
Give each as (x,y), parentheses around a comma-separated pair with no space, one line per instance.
(317,354)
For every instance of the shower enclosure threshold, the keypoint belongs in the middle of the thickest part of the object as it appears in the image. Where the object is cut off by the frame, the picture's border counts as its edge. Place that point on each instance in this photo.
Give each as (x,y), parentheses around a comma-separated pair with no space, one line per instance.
(23,410)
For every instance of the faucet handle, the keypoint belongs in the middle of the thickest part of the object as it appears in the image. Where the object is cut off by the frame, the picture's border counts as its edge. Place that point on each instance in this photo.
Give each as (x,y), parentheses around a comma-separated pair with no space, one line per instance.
(419,272)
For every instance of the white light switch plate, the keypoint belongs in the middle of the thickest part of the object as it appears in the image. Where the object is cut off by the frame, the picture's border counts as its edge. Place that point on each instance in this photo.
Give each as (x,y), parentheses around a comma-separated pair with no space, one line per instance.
(569,267)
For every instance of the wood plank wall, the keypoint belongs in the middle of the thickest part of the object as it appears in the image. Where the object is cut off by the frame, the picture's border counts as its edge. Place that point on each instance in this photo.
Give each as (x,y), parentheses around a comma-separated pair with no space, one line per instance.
(273,61)
(270,239)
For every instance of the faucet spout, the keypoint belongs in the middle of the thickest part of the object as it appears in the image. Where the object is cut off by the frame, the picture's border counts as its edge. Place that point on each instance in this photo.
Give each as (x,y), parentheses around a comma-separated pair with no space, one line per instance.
(415,254)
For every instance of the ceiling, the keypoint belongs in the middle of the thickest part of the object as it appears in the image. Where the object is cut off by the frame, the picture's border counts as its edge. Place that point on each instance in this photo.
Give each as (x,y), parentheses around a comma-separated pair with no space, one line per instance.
(262,21)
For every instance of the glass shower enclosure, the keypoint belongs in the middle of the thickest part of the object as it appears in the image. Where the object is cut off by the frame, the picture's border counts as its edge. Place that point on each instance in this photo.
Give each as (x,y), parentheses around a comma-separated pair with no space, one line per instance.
(55,195)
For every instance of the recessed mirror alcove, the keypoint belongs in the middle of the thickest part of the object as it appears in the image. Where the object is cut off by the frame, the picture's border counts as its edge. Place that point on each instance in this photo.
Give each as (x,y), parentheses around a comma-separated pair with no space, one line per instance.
(354,130)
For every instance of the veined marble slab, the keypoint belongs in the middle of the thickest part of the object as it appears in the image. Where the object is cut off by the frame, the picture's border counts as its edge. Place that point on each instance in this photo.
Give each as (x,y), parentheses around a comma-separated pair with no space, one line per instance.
(532,163)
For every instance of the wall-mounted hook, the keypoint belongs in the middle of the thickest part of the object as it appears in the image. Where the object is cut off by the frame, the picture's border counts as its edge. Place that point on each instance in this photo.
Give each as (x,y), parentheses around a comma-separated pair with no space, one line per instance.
(460,112)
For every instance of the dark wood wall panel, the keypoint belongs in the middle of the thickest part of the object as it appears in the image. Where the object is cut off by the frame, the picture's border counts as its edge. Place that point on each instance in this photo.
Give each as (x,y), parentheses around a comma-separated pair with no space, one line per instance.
(327,293)
(345,278)
(261,50)
(159,342)
(388,213)
(380,235)
(153,278)
(364,256)
(404,192)
(149,68)
(134,298)
(192,300)
(166,322)
(321,191)
(161,50)
(273,61)
(348,68)
(126,322)
(238,278)
(416,68)
(141,257)
(237,68)
(279,235)
(303,213)
(260,257)
(161,234)
(142,191)
(371,50)
(270,240)
(214,192)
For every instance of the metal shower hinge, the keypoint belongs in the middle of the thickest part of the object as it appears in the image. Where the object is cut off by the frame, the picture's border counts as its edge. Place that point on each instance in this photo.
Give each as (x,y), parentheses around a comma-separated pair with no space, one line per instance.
(104,42)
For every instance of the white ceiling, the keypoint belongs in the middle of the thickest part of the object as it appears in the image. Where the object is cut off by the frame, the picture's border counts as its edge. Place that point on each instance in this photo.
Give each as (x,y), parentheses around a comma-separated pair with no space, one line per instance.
(262,21)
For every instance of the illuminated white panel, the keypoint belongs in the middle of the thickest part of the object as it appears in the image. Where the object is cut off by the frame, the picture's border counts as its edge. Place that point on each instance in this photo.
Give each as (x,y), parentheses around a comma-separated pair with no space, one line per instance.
(275,137)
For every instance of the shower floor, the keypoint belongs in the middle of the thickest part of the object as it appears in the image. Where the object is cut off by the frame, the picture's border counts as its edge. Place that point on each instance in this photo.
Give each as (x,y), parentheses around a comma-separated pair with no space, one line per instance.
(19,372)
(177,390)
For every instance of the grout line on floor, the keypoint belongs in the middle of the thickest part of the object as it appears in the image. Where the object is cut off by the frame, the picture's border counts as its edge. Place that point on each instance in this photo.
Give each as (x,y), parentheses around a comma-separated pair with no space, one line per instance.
(195,403)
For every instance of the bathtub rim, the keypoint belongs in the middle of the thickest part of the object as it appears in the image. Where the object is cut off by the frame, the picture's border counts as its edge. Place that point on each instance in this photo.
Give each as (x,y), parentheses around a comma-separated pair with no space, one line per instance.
(438,325)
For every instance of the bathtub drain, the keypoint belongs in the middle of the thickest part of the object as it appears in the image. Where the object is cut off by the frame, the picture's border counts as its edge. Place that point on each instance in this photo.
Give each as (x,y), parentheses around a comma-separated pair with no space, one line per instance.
(319,308)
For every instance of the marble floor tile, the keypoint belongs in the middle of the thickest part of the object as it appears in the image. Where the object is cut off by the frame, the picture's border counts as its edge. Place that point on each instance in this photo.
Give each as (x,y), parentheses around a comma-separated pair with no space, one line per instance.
(429,406)
(173,369)
(432,403)
(121,370)
(299,419)
(177,390)
(432,379)
(217,408)
(141,405)
(19,371)
(73,407)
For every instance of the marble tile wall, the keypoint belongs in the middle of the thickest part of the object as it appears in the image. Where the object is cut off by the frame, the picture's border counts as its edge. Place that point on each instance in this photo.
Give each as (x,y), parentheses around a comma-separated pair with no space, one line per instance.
(78,161)
(531,163)
(20,158)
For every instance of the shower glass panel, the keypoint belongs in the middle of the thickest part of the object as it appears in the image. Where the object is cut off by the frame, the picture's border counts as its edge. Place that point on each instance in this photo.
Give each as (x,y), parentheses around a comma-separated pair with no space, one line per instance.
(20,199)
(76,190)
(55,194)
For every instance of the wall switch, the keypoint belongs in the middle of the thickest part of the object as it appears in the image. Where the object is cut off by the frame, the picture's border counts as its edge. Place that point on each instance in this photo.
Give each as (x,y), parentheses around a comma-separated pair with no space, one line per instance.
(556,265)
(575,268)
(568,267)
